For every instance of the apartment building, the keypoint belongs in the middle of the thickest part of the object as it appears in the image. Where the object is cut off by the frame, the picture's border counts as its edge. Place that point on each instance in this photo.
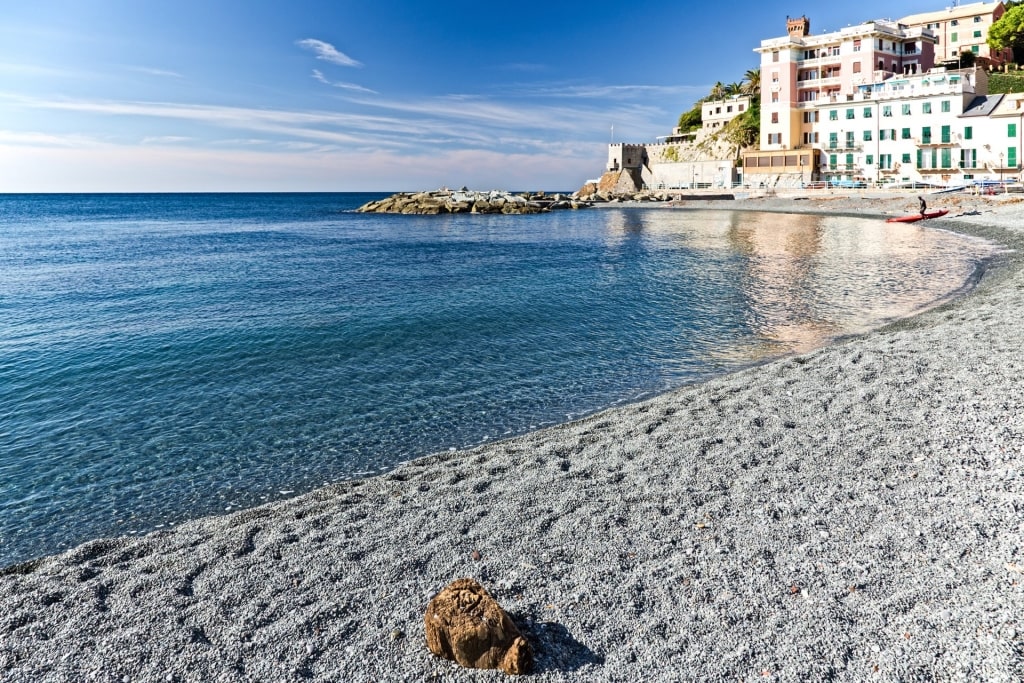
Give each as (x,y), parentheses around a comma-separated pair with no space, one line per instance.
(960,29)
(866,105)
(929,127)
(801,71)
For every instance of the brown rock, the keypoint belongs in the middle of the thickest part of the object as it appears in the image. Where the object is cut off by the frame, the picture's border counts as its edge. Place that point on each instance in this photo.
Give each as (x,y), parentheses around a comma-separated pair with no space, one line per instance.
(464,623)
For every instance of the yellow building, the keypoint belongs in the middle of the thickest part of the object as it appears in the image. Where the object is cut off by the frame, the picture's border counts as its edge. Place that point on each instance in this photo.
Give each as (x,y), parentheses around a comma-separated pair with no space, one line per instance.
(963,29)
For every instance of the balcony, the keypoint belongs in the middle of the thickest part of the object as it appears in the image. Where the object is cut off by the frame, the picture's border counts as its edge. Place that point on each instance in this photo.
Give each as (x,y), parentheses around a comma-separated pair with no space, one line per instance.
(844,147)
(951,141)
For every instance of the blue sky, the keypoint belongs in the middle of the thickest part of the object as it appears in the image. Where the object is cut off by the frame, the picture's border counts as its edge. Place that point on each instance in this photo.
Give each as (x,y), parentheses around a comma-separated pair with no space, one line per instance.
(372,95)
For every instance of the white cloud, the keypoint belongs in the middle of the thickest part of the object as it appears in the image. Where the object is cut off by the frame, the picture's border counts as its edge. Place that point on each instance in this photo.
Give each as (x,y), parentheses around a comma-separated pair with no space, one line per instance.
(327,52)
(318,75)
(163,73)
(164,140)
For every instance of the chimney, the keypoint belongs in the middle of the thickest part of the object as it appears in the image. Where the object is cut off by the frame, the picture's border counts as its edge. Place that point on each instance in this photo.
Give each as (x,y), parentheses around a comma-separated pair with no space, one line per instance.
(798,28)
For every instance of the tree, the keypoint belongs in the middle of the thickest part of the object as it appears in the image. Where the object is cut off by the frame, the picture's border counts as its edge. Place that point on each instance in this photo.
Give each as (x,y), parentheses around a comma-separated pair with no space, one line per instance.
(752,82)
(717,91)
(1008,32)
(691,120)
(966,59)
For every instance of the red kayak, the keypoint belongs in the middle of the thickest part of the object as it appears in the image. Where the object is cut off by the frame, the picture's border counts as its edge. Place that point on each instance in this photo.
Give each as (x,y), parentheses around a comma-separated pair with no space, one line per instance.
(914,217)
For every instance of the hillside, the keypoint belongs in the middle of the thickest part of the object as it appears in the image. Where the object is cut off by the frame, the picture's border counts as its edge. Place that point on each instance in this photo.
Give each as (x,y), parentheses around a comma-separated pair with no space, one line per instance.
(1006,82)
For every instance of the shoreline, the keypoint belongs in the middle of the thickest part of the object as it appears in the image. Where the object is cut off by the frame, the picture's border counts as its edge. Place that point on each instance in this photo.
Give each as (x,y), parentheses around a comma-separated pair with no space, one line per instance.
(850,513)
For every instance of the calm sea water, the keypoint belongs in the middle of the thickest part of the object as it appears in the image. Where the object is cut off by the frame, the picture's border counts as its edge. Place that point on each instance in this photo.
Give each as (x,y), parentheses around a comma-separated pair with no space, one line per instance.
(168,356)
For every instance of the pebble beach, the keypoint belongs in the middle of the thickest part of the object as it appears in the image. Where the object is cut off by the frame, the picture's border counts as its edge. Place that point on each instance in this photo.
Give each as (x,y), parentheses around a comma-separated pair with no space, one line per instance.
(854,513)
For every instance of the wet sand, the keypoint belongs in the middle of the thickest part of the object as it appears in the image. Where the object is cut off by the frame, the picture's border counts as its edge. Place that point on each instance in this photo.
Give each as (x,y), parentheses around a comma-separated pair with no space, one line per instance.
(853,513)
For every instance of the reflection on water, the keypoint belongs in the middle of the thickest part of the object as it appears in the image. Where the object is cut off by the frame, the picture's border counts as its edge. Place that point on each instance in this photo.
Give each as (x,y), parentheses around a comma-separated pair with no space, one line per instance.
(807,279)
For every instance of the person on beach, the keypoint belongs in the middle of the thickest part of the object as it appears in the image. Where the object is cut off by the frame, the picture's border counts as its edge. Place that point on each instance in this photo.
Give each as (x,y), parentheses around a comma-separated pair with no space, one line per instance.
(923,205)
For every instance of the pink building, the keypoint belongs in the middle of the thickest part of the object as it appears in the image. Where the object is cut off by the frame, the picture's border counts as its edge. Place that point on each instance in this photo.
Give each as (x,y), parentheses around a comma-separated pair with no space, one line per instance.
(800,71)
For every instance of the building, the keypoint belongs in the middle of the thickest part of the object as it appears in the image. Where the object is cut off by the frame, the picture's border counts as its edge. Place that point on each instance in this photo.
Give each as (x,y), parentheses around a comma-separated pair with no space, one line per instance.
(867,105)
(801,71)
(684,160)
(964,28)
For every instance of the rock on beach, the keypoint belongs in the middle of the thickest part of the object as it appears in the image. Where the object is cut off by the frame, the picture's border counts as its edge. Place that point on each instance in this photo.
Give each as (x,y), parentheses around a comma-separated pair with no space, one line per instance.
(467,201)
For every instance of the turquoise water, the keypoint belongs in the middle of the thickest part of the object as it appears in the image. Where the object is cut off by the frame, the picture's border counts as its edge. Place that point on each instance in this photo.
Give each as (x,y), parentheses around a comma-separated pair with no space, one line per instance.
(168,356)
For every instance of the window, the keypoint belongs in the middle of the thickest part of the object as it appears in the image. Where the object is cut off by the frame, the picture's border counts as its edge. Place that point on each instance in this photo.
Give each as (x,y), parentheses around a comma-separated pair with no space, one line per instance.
(885,161)
(1011,130)
(881,64)
(775,117)
(833,115)
(968,132)
(775,97)
(946,136)
(1011,157)
(969,158)
(849,139)
(775,56)
(856,67)
(869,159)
(849,162)
(849,113)
(887,110)
(947,158)
(905,134)
(906,110)
(833,140)
(926,107)
(977,34)
(867,112)
(945,106)
(729,108)
(884,134)
(740,108)
(952,23)
(856,48)
(926,134)
(974,49)
(718,110)
(977,20)
(906,158)
(952,37)
(832,161)
(867,136)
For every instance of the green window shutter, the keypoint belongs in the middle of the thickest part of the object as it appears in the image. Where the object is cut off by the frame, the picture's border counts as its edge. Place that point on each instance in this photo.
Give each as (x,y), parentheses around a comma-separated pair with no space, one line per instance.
(906,133)
(1011,130)
(1011,157)
(869,159)
(945,134)
(926,134)
(952,37)
(920,158)
(867,136)
(849,160)
(906,157)
(867,112)
(974,49)
(945,106)
(833,115)
(906,109)
(926,107)
(968,133)
(947,158)
(849,113)
(977,34)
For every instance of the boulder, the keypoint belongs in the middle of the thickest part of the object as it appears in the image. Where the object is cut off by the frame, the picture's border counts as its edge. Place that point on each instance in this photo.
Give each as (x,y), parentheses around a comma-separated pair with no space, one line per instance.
(465,624)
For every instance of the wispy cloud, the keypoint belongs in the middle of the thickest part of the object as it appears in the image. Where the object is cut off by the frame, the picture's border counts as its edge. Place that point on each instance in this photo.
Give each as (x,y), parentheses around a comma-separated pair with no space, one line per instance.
(47,139)
(163,73)
(317,75)
(327,52)
(614,91)
(165,140)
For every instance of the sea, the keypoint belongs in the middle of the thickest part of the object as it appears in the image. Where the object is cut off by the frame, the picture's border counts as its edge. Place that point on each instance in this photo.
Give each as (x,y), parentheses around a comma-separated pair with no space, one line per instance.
(169,356)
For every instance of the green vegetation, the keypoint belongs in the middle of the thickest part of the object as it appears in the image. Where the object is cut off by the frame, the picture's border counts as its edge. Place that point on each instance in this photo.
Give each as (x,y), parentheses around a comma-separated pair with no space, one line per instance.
(1012,81)
(742,131)
(1009,32)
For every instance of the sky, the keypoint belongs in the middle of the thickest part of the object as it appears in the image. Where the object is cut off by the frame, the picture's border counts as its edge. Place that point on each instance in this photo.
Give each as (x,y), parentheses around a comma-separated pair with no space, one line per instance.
(374,95)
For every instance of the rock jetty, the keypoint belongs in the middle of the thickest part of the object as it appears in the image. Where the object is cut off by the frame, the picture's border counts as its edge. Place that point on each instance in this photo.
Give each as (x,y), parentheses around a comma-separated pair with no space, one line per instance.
(467,201)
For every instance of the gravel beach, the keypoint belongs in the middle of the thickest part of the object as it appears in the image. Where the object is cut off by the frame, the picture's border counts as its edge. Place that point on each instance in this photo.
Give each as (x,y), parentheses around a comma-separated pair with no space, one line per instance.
(855,513)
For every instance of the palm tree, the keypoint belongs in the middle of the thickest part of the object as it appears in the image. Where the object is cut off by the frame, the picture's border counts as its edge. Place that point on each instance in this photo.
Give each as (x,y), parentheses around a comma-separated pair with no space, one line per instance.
(717,91)
(752,82)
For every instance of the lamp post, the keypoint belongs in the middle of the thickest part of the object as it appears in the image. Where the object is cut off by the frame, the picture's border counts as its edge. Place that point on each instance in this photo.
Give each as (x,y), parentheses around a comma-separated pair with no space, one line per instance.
(1000,169)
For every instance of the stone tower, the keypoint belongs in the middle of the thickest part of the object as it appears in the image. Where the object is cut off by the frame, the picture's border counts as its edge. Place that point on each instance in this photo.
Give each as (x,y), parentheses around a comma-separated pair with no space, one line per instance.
(799,27)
